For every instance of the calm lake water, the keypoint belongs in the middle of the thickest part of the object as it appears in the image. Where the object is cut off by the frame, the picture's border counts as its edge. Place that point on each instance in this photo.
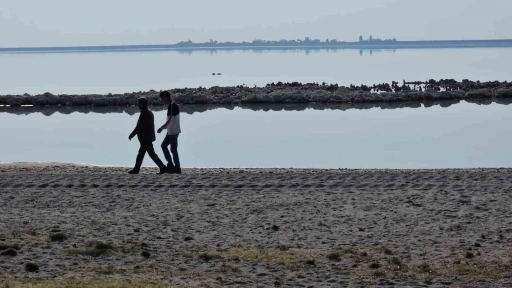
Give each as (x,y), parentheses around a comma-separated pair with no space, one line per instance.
(76,73)
(462,135)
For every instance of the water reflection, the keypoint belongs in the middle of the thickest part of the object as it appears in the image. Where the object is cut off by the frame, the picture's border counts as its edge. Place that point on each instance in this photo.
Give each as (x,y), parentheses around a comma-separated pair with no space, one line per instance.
(284,50)
(191,109)
(371,51)
(214,51)
(446,135)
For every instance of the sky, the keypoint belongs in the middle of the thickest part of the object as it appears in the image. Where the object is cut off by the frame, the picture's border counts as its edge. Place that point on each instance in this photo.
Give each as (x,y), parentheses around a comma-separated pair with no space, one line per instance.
(29,23)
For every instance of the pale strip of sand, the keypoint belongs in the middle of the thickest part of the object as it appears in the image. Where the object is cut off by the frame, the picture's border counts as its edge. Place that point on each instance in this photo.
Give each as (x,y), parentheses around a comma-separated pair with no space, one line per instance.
(259,227)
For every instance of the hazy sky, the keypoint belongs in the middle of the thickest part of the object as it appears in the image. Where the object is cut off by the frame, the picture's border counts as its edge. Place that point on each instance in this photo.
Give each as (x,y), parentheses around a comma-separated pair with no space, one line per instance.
(116,22)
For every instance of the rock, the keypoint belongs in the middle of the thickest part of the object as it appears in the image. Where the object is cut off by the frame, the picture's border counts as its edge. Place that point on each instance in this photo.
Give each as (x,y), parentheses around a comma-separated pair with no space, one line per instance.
(11,100)
(335,256)
(504,92)
(81,100)
(31,268)
(51,99)
(322,97)
(128,100)
(39,100)
(58,237)
(280,93)
(99,102)
(414,96)
(9,252)
(444,95)
(65,100)
(145,254)
(228,100)
(335,99)
(201,99)
(481,93)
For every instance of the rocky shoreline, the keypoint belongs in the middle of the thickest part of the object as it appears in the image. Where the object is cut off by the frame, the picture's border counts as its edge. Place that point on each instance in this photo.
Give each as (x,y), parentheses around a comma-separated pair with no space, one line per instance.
(284,93)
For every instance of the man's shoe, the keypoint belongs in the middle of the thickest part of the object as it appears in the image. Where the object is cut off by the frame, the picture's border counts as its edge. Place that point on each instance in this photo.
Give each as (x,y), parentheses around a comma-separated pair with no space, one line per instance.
(133,172)
(162,171)
(170,168)
(177,171)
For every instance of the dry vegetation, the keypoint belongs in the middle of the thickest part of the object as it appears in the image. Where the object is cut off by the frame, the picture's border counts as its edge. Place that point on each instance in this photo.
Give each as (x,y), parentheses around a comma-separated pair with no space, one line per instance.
(16,283)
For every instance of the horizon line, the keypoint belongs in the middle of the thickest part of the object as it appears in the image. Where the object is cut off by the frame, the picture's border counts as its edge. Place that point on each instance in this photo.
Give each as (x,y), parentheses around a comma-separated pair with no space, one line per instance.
(257,43)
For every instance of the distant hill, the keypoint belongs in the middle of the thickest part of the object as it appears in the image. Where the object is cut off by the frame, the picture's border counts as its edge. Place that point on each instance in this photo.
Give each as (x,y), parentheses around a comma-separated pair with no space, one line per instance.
(258,44)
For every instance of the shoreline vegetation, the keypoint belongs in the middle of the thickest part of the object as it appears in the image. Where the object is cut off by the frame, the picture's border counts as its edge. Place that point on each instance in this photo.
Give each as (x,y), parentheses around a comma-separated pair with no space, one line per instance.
(284,93)
(258,44)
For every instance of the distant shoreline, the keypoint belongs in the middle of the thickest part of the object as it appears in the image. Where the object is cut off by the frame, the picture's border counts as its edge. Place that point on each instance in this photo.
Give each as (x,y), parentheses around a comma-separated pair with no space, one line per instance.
(289,45)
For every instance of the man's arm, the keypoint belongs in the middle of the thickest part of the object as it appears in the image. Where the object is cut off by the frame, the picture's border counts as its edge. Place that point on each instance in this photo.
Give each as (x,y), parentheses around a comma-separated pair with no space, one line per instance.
(137,127)
(163,126)
(166,122)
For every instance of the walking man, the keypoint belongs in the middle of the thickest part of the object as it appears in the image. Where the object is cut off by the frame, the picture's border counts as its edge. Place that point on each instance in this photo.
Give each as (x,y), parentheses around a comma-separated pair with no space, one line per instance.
(173,131)
(145,131)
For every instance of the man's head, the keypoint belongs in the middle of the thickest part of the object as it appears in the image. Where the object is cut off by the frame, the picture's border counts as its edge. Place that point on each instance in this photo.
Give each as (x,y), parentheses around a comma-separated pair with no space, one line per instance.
(166,97)
(143,103)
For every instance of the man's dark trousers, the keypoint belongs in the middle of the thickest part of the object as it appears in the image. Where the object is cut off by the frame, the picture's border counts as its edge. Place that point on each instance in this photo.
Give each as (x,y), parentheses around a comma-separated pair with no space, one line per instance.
(173,141)
(147,147)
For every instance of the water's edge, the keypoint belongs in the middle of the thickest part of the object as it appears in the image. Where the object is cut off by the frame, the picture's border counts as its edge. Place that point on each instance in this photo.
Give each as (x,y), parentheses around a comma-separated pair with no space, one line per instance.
(201,108)
(107,167)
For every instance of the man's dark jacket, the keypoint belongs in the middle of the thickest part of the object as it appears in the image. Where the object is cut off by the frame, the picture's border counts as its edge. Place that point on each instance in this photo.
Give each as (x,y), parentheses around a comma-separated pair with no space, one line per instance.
(145,129)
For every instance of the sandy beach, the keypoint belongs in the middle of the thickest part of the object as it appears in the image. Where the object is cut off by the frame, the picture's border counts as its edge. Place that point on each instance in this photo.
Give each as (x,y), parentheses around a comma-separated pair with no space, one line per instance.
(258,227)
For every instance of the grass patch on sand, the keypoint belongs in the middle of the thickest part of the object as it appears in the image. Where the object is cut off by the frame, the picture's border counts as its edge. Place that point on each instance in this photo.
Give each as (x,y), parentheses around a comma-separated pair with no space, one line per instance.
(484,270)
(209,256)
(271,256)
(334,256)
(9,246)
(395,261)
(424,268)
(387,251)
(379,274)
(14,283)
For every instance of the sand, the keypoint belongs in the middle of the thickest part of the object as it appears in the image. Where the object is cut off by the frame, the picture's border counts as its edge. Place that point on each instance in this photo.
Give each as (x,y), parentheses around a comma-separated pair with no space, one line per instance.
(259,227)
